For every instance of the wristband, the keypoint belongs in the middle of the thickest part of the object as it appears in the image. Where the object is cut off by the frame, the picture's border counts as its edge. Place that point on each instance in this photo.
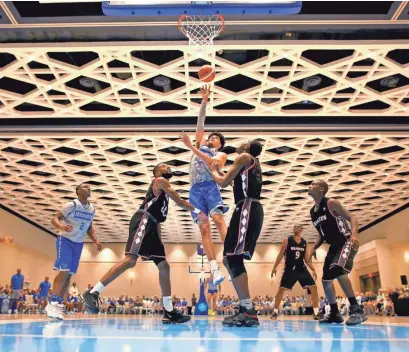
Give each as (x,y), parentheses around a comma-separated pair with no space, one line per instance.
(196,211)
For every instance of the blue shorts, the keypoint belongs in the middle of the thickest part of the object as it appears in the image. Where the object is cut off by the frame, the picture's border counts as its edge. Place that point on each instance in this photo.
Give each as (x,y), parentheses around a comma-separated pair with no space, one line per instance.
(212,291)
(206,197)
(43,298)
(68,255)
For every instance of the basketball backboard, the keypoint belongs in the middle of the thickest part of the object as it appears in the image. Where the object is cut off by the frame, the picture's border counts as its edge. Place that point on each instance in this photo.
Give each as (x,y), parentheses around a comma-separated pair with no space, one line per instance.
(216,7)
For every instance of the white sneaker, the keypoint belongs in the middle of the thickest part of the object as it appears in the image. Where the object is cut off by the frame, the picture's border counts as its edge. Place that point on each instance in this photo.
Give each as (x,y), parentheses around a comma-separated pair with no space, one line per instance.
(15,311)
(218,277)
(54,310)
(9,311)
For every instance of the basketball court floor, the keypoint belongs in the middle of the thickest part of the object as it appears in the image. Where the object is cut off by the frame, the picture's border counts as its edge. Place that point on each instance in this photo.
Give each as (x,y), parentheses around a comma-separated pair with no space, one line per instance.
(200,335)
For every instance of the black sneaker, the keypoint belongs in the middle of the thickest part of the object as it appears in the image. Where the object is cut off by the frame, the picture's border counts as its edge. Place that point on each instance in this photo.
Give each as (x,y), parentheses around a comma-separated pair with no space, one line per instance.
(274,316)
(91,301)
(174,317)
(329,319)
(316,316)
(247,317)
(227,320)
(356,315)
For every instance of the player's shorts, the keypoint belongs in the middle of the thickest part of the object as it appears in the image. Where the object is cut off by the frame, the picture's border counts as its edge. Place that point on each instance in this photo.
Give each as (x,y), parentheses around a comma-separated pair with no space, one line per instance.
(144,239)
(68,255)
(244,228)
(43,298)
(290,278)
(206,197)
(212,291)
(339,261)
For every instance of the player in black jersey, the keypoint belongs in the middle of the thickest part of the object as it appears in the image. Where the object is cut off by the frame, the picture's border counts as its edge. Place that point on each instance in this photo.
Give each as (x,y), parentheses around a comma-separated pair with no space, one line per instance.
(144,241)
(294,249)
(245,225)
(332,222)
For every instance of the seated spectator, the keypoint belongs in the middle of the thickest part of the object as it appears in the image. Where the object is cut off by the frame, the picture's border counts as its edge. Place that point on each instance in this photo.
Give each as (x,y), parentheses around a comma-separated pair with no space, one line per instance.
(21,301)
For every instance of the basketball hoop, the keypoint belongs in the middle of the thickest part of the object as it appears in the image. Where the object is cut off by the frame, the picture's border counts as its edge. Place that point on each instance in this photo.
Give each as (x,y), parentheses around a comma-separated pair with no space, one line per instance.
(201,30)
(202,274)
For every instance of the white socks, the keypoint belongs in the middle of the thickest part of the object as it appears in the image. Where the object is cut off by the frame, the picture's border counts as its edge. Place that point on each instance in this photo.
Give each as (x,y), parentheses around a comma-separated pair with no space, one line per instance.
(213,265)
(246,303)
(316,311)
(167,303)
(275,310)
(98,287)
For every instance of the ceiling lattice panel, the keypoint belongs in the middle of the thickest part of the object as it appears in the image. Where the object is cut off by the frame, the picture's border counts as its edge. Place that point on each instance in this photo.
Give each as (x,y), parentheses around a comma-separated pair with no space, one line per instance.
(38,173)
(258,78)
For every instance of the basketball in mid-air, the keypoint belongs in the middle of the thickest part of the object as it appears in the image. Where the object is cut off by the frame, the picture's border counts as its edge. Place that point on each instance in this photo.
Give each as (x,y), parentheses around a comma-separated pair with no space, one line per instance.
(207,74)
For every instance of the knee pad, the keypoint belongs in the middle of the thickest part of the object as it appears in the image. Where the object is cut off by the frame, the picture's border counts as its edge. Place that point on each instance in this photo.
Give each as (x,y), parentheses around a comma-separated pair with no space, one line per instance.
(236,265)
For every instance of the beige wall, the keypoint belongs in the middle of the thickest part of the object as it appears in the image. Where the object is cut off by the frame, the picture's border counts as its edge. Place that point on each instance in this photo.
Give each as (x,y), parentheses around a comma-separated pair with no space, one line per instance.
(392,244)
(33,251)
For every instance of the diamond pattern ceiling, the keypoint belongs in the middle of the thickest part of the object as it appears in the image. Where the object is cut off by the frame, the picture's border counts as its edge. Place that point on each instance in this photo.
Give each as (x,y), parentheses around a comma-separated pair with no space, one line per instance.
(256,78)
(39,172)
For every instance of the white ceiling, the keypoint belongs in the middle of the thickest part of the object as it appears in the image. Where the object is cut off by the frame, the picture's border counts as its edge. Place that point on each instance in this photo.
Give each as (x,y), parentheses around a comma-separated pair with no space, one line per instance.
(38,173)
(42,80)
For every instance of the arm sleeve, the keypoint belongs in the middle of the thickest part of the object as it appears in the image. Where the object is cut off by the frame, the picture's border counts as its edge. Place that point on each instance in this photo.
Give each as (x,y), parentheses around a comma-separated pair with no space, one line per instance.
(67,208)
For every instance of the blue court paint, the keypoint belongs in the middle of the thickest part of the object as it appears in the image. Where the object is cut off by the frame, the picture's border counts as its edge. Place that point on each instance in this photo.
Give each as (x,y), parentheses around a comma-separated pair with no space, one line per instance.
(199,335)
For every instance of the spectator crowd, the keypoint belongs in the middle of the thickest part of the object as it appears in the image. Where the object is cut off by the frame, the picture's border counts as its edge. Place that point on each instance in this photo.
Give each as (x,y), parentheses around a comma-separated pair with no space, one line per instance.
(16,299)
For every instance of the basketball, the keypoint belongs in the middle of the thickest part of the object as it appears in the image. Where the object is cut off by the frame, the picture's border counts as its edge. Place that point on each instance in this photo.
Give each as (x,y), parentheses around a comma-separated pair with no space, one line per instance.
(207,73)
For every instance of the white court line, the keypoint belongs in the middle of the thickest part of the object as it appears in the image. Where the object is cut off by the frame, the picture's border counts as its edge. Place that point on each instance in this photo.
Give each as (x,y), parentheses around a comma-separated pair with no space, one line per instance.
(199,338)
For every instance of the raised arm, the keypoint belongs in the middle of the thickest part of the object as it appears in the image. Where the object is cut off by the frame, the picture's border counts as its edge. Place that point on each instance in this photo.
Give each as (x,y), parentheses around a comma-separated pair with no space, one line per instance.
(242,161)
(200,140)
(338,210)
(280,256)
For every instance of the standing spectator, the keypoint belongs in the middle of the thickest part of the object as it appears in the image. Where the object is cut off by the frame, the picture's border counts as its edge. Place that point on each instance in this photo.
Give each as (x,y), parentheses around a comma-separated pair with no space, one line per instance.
(44,291)
(194,302)
(74,290)
(17,282)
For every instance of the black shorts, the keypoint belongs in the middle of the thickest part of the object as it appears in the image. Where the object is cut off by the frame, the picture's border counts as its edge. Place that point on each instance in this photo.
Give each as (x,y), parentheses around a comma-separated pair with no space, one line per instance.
(244,229)
(144,239)
(290,278)
(339,261)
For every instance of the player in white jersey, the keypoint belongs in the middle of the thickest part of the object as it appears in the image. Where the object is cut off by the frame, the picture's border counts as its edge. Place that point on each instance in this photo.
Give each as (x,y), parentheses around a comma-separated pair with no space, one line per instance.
(73,222)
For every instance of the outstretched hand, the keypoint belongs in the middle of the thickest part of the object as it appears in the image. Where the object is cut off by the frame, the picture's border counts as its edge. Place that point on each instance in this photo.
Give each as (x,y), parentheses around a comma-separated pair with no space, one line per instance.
(184,138)
(205,92)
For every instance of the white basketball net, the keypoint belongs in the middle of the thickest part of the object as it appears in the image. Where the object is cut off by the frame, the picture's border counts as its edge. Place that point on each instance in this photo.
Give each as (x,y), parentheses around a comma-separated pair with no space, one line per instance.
(201,30)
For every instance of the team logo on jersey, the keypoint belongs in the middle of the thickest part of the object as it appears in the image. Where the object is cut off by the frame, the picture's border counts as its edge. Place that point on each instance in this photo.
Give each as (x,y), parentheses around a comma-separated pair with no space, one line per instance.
(298,249)
(80,215)
(319,220)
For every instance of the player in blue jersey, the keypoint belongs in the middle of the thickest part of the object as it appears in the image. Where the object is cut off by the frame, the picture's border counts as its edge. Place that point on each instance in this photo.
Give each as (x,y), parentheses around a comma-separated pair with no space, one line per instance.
(43,292)
(204,192)
(73,222)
